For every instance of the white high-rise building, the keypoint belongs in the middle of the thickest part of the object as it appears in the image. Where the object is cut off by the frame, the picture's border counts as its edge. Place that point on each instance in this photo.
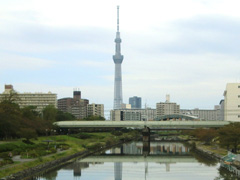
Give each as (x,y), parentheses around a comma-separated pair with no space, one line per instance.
(39,100)
(232,102)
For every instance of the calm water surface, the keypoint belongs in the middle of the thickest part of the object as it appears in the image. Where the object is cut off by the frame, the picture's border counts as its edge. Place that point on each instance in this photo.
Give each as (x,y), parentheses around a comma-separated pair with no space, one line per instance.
(163,160)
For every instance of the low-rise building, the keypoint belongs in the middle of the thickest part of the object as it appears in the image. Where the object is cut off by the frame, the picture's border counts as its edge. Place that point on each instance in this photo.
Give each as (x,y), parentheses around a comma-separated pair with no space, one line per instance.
(126,106)
(95,110)
(167,107)
(133,114)
(203,114)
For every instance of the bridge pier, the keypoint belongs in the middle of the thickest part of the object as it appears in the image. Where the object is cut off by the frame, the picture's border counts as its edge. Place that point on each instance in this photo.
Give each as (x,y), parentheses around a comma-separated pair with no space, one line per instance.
(146,140)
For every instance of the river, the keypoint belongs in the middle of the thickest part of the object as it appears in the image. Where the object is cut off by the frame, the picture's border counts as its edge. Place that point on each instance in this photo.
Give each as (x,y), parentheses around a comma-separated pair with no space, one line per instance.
(162,160)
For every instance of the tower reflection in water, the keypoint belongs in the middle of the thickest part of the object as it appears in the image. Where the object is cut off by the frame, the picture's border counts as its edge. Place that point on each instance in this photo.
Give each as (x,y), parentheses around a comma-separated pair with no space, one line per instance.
(117,165)
(159,152)
(156,148)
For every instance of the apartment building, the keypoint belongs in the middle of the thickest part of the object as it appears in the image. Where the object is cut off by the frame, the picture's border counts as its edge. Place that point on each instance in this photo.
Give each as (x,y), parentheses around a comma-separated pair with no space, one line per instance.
(38,99)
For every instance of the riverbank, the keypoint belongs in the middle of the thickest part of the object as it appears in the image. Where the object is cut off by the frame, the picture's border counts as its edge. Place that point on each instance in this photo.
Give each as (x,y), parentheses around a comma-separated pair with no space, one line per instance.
(210,150)
(78,147)
(213,151)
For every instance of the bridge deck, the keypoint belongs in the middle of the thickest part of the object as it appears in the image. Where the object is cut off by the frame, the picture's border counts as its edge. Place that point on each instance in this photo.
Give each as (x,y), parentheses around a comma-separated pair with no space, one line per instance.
(141,124)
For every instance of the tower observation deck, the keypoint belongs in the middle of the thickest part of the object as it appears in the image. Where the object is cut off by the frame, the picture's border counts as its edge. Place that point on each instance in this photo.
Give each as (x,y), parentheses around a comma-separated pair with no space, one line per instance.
(118,58)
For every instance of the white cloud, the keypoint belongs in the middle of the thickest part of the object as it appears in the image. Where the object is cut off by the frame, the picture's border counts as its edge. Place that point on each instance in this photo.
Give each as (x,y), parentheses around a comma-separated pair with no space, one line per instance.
(13,62)
(186,48)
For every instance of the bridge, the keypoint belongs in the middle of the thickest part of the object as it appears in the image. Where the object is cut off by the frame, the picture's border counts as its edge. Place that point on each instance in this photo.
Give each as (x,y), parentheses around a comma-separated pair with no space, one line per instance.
(164,125)
(140,158)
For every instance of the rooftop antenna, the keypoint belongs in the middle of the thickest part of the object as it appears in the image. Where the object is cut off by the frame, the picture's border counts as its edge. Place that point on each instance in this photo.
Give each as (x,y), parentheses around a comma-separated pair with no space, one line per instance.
(117,18)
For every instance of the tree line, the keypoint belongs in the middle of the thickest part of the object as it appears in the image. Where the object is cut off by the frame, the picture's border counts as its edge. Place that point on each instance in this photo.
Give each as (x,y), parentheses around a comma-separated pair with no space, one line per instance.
(227,136)
(27,122)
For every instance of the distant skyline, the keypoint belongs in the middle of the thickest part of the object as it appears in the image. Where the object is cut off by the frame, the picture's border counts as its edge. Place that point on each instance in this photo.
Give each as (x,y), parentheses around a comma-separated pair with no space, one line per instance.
(188,49)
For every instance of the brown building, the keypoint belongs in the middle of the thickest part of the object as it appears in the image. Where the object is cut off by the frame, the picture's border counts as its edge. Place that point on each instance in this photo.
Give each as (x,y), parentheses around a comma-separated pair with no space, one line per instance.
(75,105)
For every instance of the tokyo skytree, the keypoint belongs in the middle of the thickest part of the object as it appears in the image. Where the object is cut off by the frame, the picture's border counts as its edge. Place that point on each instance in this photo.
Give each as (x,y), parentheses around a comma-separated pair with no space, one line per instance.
(118,58)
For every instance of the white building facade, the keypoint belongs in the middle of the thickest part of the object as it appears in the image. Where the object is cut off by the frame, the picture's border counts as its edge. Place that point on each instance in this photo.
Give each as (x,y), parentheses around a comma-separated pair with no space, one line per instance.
(203,114)
(95,110)
(167,108)
(39,100)
(147,114)
(232,102)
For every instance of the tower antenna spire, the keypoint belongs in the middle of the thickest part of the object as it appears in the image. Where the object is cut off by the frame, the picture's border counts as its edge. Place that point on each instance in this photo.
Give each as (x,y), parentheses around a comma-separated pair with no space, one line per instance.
(117,18)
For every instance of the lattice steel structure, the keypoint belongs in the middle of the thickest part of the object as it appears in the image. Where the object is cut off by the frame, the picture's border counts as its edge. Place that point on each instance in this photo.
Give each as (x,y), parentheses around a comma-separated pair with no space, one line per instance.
(118,58)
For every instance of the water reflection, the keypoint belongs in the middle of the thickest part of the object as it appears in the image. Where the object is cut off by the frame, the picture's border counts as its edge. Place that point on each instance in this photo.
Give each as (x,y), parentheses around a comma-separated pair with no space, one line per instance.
(163,160)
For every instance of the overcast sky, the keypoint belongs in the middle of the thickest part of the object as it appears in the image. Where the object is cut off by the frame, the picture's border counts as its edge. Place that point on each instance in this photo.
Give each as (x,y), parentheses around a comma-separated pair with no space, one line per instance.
(188,49)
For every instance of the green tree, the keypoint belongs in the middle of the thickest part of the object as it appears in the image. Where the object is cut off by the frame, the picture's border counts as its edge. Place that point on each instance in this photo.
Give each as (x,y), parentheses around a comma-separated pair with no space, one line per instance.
(27,133)
(205,135)
(64,116)
(94,118)
(30,112)
(16,122)
(10,116)
(229,136)
(12,97)
(49,113)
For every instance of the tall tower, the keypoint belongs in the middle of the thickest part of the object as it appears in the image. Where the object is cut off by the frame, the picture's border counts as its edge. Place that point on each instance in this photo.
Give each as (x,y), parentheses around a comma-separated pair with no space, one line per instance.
(118,58)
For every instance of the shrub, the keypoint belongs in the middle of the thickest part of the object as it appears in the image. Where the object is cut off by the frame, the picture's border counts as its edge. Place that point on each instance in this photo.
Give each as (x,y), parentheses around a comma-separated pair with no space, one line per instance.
(6,161)
(116,133)
(4,155)
(95,145)
(82,135)
(52,150)
(17,151)
(27,141)
(7,147)
(63,146)
(109,141)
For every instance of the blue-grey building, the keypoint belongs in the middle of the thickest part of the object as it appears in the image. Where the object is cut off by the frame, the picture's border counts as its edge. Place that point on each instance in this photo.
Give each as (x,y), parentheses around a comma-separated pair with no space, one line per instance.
(136,102)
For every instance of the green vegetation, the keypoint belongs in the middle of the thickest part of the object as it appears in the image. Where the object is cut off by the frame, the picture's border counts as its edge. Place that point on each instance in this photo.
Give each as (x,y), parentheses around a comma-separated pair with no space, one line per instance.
(28,130)
(227,137)
(27,122)
(205,135)
(66,145)
(94,118)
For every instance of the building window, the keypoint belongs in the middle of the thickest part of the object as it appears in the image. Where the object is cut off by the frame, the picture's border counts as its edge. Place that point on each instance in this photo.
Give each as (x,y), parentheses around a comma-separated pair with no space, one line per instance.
(239,106)
(238,116)
(238,96)
(238,86)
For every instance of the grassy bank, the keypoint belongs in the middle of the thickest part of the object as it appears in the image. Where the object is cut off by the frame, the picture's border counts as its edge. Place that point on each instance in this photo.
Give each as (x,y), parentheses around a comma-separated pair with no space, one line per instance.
(211,148)
(72,144)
